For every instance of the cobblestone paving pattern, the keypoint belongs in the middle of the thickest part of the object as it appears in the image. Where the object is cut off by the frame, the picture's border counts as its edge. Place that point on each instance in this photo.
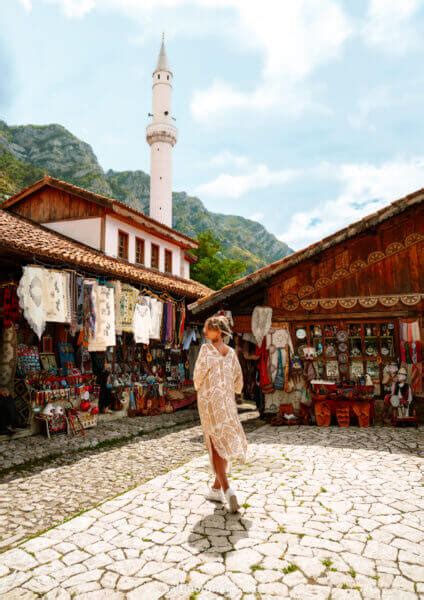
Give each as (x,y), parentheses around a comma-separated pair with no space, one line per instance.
(44,495)
(327,513)
(16,452)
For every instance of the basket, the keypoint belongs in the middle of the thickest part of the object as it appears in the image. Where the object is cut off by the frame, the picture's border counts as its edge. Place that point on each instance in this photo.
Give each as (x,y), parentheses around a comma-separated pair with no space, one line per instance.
(343,414)
(322,414)
(87,419)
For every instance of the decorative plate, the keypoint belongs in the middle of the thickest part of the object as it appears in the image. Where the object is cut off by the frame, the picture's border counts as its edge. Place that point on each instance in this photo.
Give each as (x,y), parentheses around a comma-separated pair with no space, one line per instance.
(370,351)
(385,351)
(343,347)
(342,336)
(342,357)
(301,334)
(330,351)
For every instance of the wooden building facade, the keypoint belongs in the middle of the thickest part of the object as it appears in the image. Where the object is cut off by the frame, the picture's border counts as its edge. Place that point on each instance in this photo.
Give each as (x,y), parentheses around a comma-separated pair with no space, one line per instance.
(366,280)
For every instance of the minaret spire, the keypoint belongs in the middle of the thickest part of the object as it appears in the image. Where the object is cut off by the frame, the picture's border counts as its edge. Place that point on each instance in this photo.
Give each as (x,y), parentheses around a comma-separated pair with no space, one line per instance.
(161,135)
(162,64)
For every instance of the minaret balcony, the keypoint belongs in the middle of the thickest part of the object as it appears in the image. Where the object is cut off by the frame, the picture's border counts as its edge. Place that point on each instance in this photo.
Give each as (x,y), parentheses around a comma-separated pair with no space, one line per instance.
(161,132)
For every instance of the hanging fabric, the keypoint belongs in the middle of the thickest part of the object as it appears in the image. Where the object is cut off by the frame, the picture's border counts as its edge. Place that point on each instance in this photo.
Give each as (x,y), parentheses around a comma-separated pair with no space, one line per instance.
(142,322)
(104,335)
(261,322)
(32,294)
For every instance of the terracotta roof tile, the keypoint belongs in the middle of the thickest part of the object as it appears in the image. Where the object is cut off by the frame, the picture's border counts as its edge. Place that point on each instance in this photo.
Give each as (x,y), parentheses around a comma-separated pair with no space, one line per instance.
(30,240)
(105,201)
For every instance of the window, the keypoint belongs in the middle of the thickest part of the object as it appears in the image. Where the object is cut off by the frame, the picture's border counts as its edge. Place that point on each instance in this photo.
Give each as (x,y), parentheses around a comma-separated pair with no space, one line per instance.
(155,256)
(123,245)
(168,261)
(139,251)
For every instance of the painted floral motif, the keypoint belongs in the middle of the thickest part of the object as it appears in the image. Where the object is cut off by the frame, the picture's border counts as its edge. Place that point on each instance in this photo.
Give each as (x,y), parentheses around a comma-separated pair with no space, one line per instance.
(328,303)
(393,248)
(357,265)
(339,273)
(290,302)
(309,303)
(322,282)
(348,302)
(305,290)
(368,302)
(375,256)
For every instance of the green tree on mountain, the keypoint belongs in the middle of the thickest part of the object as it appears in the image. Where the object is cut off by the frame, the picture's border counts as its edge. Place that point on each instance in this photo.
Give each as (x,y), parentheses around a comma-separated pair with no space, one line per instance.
(212,268)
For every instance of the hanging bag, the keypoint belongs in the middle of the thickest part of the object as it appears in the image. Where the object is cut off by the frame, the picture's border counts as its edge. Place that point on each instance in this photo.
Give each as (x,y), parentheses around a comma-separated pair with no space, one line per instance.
(279,378)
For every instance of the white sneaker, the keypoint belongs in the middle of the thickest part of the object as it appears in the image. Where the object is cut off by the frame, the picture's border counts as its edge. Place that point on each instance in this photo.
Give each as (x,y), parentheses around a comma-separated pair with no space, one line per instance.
(215,495)
(231,499)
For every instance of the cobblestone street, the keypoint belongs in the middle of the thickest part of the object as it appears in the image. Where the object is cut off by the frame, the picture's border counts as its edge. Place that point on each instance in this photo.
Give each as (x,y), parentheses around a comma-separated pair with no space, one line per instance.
(326,513)
(74,474)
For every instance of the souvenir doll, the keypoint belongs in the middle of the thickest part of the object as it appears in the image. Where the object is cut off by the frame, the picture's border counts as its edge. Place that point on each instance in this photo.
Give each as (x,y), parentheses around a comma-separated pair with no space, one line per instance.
(401,397)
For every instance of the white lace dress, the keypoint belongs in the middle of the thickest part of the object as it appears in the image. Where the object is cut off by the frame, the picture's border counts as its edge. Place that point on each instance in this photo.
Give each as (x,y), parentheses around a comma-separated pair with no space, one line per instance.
(217,379)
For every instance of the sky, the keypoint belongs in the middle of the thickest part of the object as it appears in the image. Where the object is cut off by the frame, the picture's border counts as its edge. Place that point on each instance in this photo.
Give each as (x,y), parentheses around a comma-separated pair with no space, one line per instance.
(304,115)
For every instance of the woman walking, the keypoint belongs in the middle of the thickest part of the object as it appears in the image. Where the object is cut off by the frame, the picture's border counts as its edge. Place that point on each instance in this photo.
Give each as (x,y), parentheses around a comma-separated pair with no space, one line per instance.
(217,378)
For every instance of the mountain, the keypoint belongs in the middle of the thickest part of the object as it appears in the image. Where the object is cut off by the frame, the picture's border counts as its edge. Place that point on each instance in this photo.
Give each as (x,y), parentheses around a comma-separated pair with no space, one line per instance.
(27,152)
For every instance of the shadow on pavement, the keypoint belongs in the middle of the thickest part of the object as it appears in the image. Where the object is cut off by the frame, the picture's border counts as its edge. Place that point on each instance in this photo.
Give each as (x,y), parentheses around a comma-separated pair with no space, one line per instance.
(210,528)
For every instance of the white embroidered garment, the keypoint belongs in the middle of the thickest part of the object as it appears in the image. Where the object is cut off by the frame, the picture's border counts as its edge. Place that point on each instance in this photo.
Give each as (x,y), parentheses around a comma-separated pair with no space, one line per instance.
(142,321)
(156,312)
(261,322)
(32,294)
(279,338)
(104,335)
(217,379)
(57,305)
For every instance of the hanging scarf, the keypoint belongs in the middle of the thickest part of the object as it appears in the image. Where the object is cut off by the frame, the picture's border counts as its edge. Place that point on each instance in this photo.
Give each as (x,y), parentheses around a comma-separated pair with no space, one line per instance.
(9,303)
(32,294)
(57,301)
(104,334)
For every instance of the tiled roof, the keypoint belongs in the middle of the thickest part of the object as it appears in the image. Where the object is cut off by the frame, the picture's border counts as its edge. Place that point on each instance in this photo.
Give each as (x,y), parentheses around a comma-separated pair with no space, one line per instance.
(32,241)
(265,273)
(116,205)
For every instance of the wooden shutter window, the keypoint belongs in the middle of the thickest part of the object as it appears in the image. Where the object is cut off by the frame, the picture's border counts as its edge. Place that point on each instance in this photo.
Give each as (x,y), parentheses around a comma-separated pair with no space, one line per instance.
(155,256)
(168,261)
(123,245)
(139,251)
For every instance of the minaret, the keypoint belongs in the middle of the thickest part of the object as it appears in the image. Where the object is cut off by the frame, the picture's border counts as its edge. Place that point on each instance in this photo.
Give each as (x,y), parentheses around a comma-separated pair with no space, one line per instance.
(161,135)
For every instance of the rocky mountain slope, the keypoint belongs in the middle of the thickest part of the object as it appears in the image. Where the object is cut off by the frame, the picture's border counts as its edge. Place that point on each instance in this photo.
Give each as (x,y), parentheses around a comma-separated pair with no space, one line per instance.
(27,152)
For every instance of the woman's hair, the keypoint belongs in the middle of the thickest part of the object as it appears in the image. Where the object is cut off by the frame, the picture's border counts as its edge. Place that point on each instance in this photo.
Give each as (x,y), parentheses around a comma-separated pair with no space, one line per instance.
(219,323)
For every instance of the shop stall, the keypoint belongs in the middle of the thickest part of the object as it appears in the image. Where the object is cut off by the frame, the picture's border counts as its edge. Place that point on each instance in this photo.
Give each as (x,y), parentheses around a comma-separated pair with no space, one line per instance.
(95,335)
(334,332)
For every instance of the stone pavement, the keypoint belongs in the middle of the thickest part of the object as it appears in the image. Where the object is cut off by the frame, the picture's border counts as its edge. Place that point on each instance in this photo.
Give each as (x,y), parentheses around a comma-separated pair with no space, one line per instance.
(327,513)
(15,452)
(37,496)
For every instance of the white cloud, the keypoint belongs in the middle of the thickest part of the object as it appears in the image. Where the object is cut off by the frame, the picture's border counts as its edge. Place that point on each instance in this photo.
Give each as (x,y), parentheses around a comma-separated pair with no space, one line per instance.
(390,25)
(365,189)
(226,158)
(234,186)
(293,38)
(375,99)
(27,4)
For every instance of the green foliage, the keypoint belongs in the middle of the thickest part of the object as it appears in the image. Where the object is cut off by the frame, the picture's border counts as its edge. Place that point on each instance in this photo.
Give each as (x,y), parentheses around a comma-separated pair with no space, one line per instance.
(211,268)
(15,175)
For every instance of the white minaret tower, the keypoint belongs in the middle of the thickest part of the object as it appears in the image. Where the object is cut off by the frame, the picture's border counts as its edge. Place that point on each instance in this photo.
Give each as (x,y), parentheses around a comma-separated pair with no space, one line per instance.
(161,135)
